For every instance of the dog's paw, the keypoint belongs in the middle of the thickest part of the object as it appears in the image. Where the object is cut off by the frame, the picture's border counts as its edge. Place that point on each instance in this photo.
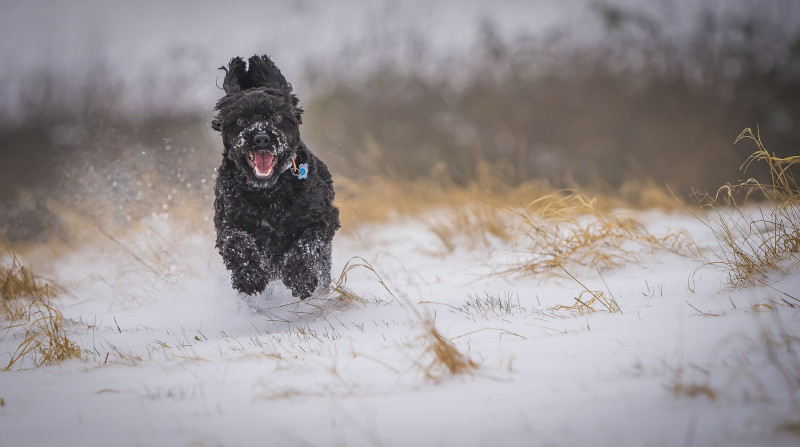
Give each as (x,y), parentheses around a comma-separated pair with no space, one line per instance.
(249,279)
(300,281)
(245,261)
(306,267)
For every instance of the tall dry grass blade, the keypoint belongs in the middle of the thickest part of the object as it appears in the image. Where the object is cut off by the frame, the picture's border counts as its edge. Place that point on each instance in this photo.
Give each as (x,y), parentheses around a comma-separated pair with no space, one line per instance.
(760,233)
(19,286)
(568,227)
(44,341)
(445,358)
(119,244)
(610,304)
(25,305)
(339,286)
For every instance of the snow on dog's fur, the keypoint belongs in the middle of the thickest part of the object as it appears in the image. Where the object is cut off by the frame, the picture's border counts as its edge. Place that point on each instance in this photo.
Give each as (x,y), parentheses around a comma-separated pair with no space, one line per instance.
(273,221)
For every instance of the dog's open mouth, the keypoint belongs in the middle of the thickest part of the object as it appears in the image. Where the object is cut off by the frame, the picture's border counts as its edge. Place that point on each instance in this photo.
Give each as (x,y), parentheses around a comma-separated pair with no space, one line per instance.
(262,163)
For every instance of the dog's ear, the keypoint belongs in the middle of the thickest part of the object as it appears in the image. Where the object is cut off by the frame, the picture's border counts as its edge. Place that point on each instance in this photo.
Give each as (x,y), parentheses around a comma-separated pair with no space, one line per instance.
(264,73)
(298,111)
(235,76)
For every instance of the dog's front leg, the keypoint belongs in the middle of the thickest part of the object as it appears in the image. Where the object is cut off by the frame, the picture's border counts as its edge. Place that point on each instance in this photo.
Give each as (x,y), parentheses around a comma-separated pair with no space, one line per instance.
(307,265)
(244,260)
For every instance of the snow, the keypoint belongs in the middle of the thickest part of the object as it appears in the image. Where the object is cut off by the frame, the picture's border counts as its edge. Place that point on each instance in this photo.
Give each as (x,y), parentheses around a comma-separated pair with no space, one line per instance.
(176,357)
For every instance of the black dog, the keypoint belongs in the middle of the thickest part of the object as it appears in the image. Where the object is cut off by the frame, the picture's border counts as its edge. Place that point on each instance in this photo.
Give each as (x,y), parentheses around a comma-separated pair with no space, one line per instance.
(273,210)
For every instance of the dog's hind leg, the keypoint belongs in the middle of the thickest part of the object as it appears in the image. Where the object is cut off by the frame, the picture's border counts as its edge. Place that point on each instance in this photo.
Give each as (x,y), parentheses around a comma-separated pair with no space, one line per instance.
(244,260)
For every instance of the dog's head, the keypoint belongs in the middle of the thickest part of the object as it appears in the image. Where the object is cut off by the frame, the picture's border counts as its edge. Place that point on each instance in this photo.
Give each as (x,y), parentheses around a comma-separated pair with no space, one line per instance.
(259,120)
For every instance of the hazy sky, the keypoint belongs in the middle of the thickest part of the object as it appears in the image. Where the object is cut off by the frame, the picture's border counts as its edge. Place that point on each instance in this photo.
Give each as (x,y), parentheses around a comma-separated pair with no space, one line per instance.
(150,48)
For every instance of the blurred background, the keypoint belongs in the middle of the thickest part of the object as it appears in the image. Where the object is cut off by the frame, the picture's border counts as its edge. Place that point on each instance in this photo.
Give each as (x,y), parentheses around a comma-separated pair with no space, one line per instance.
(106,105)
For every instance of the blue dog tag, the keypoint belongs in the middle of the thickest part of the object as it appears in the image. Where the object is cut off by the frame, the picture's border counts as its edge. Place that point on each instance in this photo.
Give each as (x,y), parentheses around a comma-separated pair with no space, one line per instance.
(302,171)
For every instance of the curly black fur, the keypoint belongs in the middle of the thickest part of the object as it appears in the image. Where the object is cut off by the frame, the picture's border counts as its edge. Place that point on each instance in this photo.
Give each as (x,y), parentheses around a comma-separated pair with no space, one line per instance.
(270,224)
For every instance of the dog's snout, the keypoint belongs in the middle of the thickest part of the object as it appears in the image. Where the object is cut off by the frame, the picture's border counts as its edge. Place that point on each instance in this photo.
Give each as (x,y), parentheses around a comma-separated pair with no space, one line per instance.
(261,140)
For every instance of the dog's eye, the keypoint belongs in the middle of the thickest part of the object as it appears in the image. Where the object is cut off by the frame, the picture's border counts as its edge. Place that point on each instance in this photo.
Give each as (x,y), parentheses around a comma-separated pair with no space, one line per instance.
(241,121)
(276,118)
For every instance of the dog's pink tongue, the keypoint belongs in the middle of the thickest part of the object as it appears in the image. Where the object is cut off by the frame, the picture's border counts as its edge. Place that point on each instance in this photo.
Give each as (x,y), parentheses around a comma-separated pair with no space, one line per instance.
(263,161)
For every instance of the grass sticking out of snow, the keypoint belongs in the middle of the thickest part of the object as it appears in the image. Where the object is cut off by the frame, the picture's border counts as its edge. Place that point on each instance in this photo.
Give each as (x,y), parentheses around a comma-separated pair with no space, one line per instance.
(491,305)
(18,286)
(556,227)
(152,297)
(29,315)
(44,339)
(590,301)
(441,356)
(570,228)
(345,294)
(753,242)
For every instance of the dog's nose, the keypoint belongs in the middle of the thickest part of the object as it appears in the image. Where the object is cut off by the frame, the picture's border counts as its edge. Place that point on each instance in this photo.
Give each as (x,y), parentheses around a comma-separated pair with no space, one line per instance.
(261,140)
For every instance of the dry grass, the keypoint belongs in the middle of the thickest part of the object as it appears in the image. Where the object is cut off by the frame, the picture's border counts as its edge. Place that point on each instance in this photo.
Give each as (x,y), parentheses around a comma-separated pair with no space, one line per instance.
(555,227)
(337,297)
(571,228)
(476,223)
(690,380)
(443,357)
(589,301)
(29,314)
(693,390)
(345,294)
(440,356)
(489,305)
(18,286)
(378,199)
(44,340)
(764,235)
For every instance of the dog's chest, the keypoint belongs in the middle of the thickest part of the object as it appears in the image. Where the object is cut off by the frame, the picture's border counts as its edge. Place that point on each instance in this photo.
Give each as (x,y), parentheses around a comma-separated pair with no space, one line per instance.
(271,214)
(267,216)
(271,218)
(265,223)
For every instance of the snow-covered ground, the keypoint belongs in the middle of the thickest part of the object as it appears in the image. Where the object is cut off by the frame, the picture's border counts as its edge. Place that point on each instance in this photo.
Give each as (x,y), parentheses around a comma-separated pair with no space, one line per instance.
(175,357)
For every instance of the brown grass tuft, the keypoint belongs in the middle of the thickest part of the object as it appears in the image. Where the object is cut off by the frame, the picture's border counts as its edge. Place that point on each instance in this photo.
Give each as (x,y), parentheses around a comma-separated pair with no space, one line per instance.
(693,390)
(347,295)
(556,226)
(588,301)
(25,305)
(18,286)
(445,358)
(44,339)
(763,236)
(476,204)
(441,355)
(692,381)
(570,228)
